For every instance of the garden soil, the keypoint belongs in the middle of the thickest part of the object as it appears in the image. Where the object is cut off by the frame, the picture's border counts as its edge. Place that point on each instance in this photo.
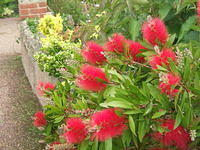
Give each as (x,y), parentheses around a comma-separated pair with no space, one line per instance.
(17,101)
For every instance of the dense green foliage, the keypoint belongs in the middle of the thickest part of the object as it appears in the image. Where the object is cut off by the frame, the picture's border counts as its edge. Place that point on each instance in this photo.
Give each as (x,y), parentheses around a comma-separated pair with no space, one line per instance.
(8,7)
(132,86)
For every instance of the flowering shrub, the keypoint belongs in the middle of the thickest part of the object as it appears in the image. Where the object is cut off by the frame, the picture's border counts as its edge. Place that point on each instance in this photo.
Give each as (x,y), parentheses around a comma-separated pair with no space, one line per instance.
(128,95)
(58,49)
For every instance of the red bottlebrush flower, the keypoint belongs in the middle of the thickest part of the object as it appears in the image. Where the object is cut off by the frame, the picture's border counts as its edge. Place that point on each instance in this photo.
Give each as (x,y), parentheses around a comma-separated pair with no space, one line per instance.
(155,62)
(134,50)
(172,79)
(93,53)
(108,124)
(167,89)
(167,54)
(154,31)
(39,119)
(168,81)
(173,137)
(162,58)
(116,44)
(92,79)
(43,87)
(76,131)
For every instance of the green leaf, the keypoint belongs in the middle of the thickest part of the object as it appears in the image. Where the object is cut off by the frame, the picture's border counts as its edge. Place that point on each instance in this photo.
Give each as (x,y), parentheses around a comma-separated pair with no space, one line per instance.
(108,144)
(95,145)
(84,145)
(121,104)
(186,27)
(158,96)
(132,124)
(148,109)
(59,119)
(159,114)
(178,117)
(141,130)
(131,112)
(134,29)
(164,10)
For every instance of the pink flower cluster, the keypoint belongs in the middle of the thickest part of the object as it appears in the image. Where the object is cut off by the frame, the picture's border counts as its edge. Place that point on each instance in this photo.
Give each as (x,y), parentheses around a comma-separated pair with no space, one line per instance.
(43,87)
(172,137)
(39,119)
(170,81)
(162,59)
(155,32)
(104,124)
(93,78)
(119,44)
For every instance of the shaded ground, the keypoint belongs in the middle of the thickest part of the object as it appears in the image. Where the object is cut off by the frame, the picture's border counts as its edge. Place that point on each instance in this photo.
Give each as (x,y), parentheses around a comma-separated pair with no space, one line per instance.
(17,106)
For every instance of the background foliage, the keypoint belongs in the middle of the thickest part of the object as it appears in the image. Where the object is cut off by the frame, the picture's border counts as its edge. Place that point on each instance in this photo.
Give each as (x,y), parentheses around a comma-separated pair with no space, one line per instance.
(10,5)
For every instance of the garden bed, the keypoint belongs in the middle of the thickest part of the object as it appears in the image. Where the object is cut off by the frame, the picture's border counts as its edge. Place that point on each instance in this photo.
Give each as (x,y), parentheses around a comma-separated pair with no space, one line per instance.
(30,45)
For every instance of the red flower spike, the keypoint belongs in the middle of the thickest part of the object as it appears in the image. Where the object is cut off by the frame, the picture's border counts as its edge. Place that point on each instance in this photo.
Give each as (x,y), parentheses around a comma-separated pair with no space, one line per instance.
(92,79)
(134,50)
(39,119)
(76,131)
(43,87)
(172,79)
(162,58)
(93,53)
(116,43)
(169,81)
(155,32)
(167,89)
(174,137)
(167,54)
(108,124)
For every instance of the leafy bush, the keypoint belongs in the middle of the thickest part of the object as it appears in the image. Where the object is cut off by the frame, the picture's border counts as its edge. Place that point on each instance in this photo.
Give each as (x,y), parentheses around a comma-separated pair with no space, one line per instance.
(126,17)
(8,7)
(57,49)
(125,94)
(70,7)
(32,24)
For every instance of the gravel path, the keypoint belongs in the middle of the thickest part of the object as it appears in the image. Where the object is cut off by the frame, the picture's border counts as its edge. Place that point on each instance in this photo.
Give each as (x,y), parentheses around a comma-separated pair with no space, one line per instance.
(17,101)
(17,105)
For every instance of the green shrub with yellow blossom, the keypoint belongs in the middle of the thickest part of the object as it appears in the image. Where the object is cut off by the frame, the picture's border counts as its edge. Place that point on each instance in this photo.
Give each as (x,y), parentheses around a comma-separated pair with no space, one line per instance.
(50,25)
(58,50)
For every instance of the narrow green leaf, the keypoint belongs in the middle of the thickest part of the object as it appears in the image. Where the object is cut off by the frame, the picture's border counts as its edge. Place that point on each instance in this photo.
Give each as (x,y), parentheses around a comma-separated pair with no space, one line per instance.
(148,109)
(159,114)
(178,118)
(141,130)
(121,104)
(132,124)
(59,119)
(95,145)
(131,112)
(108,144)
(134,29)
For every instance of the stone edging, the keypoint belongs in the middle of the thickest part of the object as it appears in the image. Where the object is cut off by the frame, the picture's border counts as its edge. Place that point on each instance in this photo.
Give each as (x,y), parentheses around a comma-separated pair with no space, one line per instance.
(30,45)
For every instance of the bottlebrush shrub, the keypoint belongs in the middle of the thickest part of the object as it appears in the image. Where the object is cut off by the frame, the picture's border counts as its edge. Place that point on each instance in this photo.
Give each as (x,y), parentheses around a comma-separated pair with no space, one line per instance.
(128,95)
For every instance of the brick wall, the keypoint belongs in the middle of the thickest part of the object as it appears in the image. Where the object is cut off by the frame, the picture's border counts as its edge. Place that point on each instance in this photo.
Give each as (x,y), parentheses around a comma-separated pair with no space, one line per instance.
(32,9)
